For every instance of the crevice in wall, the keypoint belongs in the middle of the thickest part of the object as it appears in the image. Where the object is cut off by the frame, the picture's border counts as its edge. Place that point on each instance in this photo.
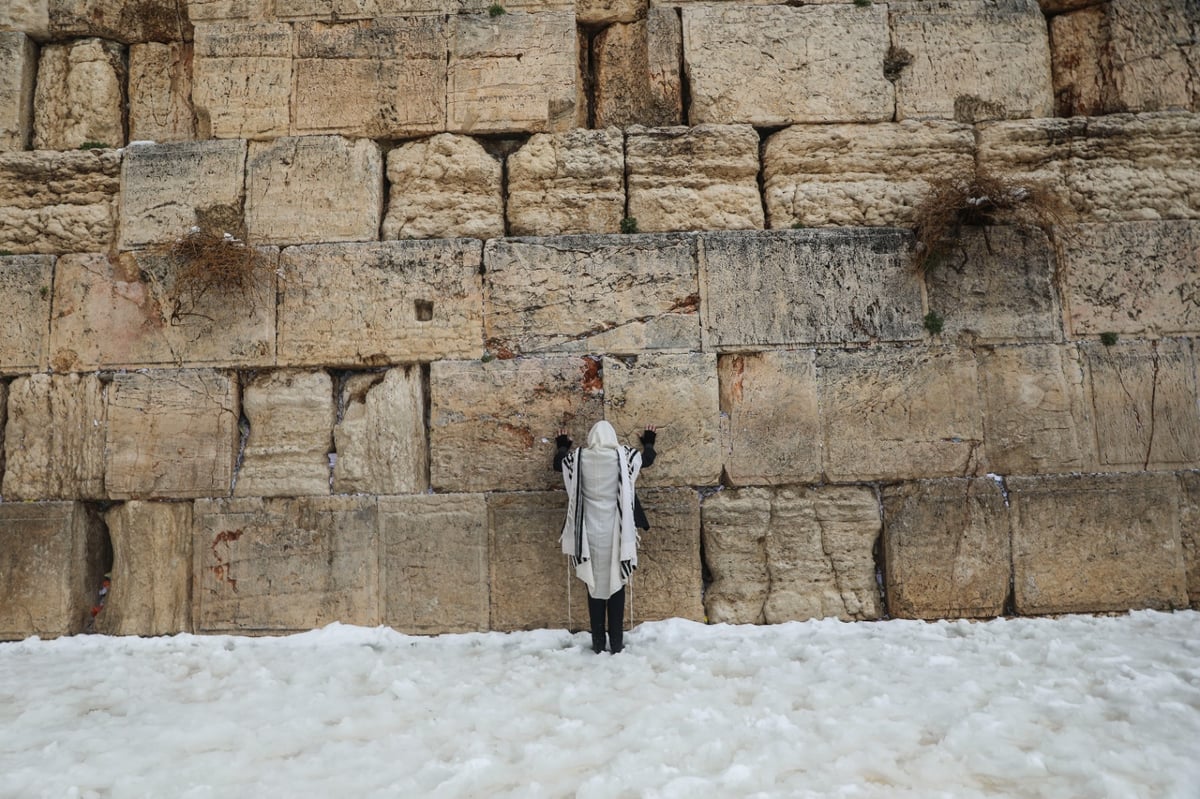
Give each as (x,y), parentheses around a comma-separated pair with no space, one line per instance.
(427,421)
(587,69)
(878,554)
(98,562)
(243,379)
(4,384)
(764,134)
(1153,398)
(500,148)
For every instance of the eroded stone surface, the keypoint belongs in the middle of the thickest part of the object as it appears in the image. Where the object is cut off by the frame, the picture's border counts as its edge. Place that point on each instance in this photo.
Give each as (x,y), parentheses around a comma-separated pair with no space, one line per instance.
(242,79)
(160,92)
(123,20)
(790,288)
(28,16)
(1189,529)
(789,554)
(279,565)
(592,294)
(599,12)
(55,436)
(443,187)
(291,416)
(79,96)
(1096,543)
(171,434)
(560,183)
(58,202)
(18,66)
(151,591)
(377,304)
(380,439)
(946,549)
(637,80)
(698,178)
(25,282)
(668,580)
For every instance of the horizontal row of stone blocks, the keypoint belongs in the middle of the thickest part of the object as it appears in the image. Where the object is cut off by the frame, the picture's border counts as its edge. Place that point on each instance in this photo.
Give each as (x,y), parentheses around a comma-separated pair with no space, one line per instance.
(466,562)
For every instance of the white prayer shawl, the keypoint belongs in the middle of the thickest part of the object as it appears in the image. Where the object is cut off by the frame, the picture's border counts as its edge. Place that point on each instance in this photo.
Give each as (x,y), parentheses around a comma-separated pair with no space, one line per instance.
(574,538)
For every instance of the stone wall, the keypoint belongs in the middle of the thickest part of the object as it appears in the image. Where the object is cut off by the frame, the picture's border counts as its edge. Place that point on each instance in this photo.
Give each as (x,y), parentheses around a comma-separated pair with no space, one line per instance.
(473,228)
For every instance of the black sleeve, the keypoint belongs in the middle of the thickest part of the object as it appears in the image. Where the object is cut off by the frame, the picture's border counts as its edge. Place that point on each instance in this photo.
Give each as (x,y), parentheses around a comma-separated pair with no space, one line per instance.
(562,446)
(648,454)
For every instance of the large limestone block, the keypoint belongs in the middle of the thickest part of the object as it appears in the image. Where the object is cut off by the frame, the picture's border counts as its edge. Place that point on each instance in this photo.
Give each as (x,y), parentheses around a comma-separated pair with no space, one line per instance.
(1038,414)
(790,554)
(636,68)
(1115,168)
(379,78)
(380,439)
(314,189)
(126,21)
(160,92)
(492,425)
(771,431)
(171,434)
(514,72)
(900,414)
(25,282)
(1189,528)
(947,549)
(1132,278)
(31,17)
(561,183)
(841,175)
(668,582)
(1146,404)
(284,565)
(789,288)
(232,10)
(151,591)
(124,311)
(376,304)
(972,60)
(58,202)
(698,178)
(433,563)
(80,95)
(825,64)
(628,294)
(55,436)
(242,80)
(996,284)
(444,187)
(604,12)
(18,65)
(291,415)
(170,188)
(343,10)
(53,556)
(1095,543)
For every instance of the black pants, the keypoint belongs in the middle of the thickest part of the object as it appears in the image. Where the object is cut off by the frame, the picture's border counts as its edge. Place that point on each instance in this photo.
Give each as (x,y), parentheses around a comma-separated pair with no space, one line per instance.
(614,608)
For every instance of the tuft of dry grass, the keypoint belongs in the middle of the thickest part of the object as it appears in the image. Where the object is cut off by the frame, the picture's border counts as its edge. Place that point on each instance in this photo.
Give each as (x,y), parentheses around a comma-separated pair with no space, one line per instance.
(206,261)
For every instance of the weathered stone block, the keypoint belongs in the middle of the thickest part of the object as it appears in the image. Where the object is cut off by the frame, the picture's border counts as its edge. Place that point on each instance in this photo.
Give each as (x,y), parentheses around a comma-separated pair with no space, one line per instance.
(151,591)
(602,12)
(80,95)
(314,189)
(510,410)
(1189,529)
(567,183)
(1094,543)
(171,434)
(790,554)
(242,80)
(1132,278)
(446,186)
(433,553)
(126,312)
(55,436)
(842,175)
(379,78)
(342,10)
(678,394)
(971,60)
(58,202)
(52,556)
(237,10)
(790,288)
(375,304)
(31,17)
(25,282)
(947,549)
(1114,168)
(380,440)
(291,415)
(18,65)
(699,178)
(1145,402)
(123,20)
(1038,414)
(1078,45)
(636,65)
(771,431)
(900,414)
(160,92)
(169,188)
(996,284)
(281,565)
(514,72)
(825,64)
(592,294)
(668,581)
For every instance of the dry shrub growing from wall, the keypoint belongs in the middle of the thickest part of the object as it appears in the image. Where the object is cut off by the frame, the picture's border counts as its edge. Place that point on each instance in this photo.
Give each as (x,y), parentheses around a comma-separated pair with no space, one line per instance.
(209,262)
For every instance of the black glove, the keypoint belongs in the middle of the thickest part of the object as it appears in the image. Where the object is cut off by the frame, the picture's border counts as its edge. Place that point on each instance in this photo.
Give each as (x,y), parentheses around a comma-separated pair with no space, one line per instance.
(563,442)
(647,437)
(627,568)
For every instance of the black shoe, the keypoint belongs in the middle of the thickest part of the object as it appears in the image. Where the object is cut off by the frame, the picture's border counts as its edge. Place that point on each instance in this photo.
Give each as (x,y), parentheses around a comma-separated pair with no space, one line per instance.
(617,642)
(597,644)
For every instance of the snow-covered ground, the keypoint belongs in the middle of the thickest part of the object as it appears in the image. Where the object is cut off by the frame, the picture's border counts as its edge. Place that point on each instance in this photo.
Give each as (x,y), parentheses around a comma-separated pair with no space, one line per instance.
(1073,707)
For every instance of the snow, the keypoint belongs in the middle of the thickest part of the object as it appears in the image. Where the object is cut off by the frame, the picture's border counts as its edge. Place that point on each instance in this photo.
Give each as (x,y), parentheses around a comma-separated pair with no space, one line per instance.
(1070,707)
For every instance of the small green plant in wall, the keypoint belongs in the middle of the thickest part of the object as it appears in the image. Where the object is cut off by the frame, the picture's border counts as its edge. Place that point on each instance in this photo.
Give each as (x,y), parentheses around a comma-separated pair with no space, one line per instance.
(93,145)
(862,3)
(934,322)
(629,225)
(1108,338)
(44,292)
(496,10)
